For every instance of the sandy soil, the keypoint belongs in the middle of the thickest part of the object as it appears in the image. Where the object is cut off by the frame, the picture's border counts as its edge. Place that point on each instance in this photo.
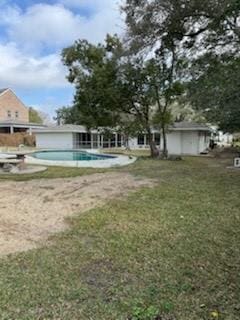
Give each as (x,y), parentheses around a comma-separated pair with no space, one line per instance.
(31,211)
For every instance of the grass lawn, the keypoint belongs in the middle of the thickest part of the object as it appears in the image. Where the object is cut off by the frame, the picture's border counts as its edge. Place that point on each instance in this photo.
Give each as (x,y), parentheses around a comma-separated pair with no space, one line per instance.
(171,252)
(52,173)
(64,172)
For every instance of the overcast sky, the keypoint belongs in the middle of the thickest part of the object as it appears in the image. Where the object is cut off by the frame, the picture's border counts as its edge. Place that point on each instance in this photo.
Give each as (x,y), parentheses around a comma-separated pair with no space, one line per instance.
(32,35)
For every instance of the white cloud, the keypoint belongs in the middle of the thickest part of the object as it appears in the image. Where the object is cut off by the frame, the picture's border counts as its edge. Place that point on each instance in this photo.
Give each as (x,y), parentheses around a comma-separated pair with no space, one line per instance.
(43,26)
(32,34)
(55,26)
(23,71)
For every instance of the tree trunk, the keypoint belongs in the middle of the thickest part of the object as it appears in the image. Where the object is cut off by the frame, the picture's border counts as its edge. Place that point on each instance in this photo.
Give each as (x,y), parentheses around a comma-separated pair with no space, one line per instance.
(165,150)
(153,147)
(127,143)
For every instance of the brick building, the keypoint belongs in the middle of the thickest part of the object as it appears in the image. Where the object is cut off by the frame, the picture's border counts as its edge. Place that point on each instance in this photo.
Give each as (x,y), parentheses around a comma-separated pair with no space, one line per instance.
(14,115)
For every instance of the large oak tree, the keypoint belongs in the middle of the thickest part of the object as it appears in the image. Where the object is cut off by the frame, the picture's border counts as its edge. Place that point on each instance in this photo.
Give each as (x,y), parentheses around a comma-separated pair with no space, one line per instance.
(197,31)
(116,90)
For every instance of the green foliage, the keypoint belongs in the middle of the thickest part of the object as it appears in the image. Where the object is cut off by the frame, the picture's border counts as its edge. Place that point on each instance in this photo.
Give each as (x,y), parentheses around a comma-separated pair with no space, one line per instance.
(117,86)
(143,313)
(190,33)
(65,115)
(167,23)
(118,91)
(215,91)
(93,71)
(34,116)
(159,118)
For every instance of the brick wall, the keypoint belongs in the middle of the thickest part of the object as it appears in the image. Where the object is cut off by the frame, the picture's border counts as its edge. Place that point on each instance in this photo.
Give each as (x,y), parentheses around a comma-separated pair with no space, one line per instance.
(11,108)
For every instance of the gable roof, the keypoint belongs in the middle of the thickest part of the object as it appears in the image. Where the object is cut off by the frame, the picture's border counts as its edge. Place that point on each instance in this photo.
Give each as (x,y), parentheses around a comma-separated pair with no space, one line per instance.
(3,90)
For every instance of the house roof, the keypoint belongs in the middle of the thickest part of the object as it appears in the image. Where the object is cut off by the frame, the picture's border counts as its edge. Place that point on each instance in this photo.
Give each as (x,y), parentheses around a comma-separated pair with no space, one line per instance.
(10,121)
(191,126)
(62,128)
(3,90)
(178,126)
(15,123)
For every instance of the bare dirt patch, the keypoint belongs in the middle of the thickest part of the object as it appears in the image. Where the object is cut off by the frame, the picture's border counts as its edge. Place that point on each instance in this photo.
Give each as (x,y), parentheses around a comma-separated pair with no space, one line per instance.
(31,211)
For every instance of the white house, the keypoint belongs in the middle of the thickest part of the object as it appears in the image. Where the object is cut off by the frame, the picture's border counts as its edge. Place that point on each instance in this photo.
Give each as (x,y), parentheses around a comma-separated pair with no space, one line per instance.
(223,139)
(183,138)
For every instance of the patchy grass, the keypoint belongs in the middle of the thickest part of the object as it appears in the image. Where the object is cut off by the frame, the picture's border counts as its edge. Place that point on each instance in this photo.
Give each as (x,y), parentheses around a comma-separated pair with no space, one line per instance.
(168,252)
(136,153)
(52,173)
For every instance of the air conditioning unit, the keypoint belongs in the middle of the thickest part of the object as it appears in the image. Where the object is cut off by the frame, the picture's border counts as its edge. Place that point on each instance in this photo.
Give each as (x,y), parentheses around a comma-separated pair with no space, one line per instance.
(237,162)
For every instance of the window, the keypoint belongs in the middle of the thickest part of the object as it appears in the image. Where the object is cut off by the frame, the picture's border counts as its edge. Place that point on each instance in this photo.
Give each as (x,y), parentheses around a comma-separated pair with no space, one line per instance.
(9,114)
(141,139)
(16,114)
(83,140)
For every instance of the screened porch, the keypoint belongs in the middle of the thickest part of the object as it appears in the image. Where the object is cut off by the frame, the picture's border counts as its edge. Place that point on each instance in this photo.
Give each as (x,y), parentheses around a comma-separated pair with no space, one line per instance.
(96,140)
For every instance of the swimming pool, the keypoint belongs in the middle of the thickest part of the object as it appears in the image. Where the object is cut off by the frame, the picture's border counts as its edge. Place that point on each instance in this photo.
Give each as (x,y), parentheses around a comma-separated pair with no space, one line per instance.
(69,155)
(78,158)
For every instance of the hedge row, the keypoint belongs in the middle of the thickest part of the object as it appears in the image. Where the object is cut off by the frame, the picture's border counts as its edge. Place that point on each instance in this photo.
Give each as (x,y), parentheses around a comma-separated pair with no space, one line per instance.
(16,139)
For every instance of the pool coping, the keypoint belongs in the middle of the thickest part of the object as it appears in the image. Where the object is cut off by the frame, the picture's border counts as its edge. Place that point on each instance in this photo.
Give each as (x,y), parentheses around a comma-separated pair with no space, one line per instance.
(117,161)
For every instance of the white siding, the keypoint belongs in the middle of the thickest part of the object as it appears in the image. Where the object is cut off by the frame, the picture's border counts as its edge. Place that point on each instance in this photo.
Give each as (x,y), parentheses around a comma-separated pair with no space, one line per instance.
(225,138)
(204,140)
(178,142)
(174,142)
(58,140)
(190,142)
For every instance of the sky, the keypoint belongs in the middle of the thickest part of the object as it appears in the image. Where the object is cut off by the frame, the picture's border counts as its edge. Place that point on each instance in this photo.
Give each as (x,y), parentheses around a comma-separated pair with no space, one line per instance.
(32,36)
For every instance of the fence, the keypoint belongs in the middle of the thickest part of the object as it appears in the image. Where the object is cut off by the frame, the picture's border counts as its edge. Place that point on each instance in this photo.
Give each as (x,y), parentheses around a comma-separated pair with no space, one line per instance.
(15,139)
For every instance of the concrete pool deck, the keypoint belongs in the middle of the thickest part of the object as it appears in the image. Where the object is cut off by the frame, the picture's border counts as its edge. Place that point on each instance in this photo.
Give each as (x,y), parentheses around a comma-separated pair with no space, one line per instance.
(116,161)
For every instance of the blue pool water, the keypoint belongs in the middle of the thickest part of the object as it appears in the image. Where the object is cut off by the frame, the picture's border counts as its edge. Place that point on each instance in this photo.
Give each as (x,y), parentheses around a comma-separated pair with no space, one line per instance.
(69,155)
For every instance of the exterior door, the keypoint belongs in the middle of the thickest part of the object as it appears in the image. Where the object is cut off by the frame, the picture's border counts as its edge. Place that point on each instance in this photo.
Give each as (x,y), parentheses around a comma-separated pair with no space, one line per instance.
(190,142)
